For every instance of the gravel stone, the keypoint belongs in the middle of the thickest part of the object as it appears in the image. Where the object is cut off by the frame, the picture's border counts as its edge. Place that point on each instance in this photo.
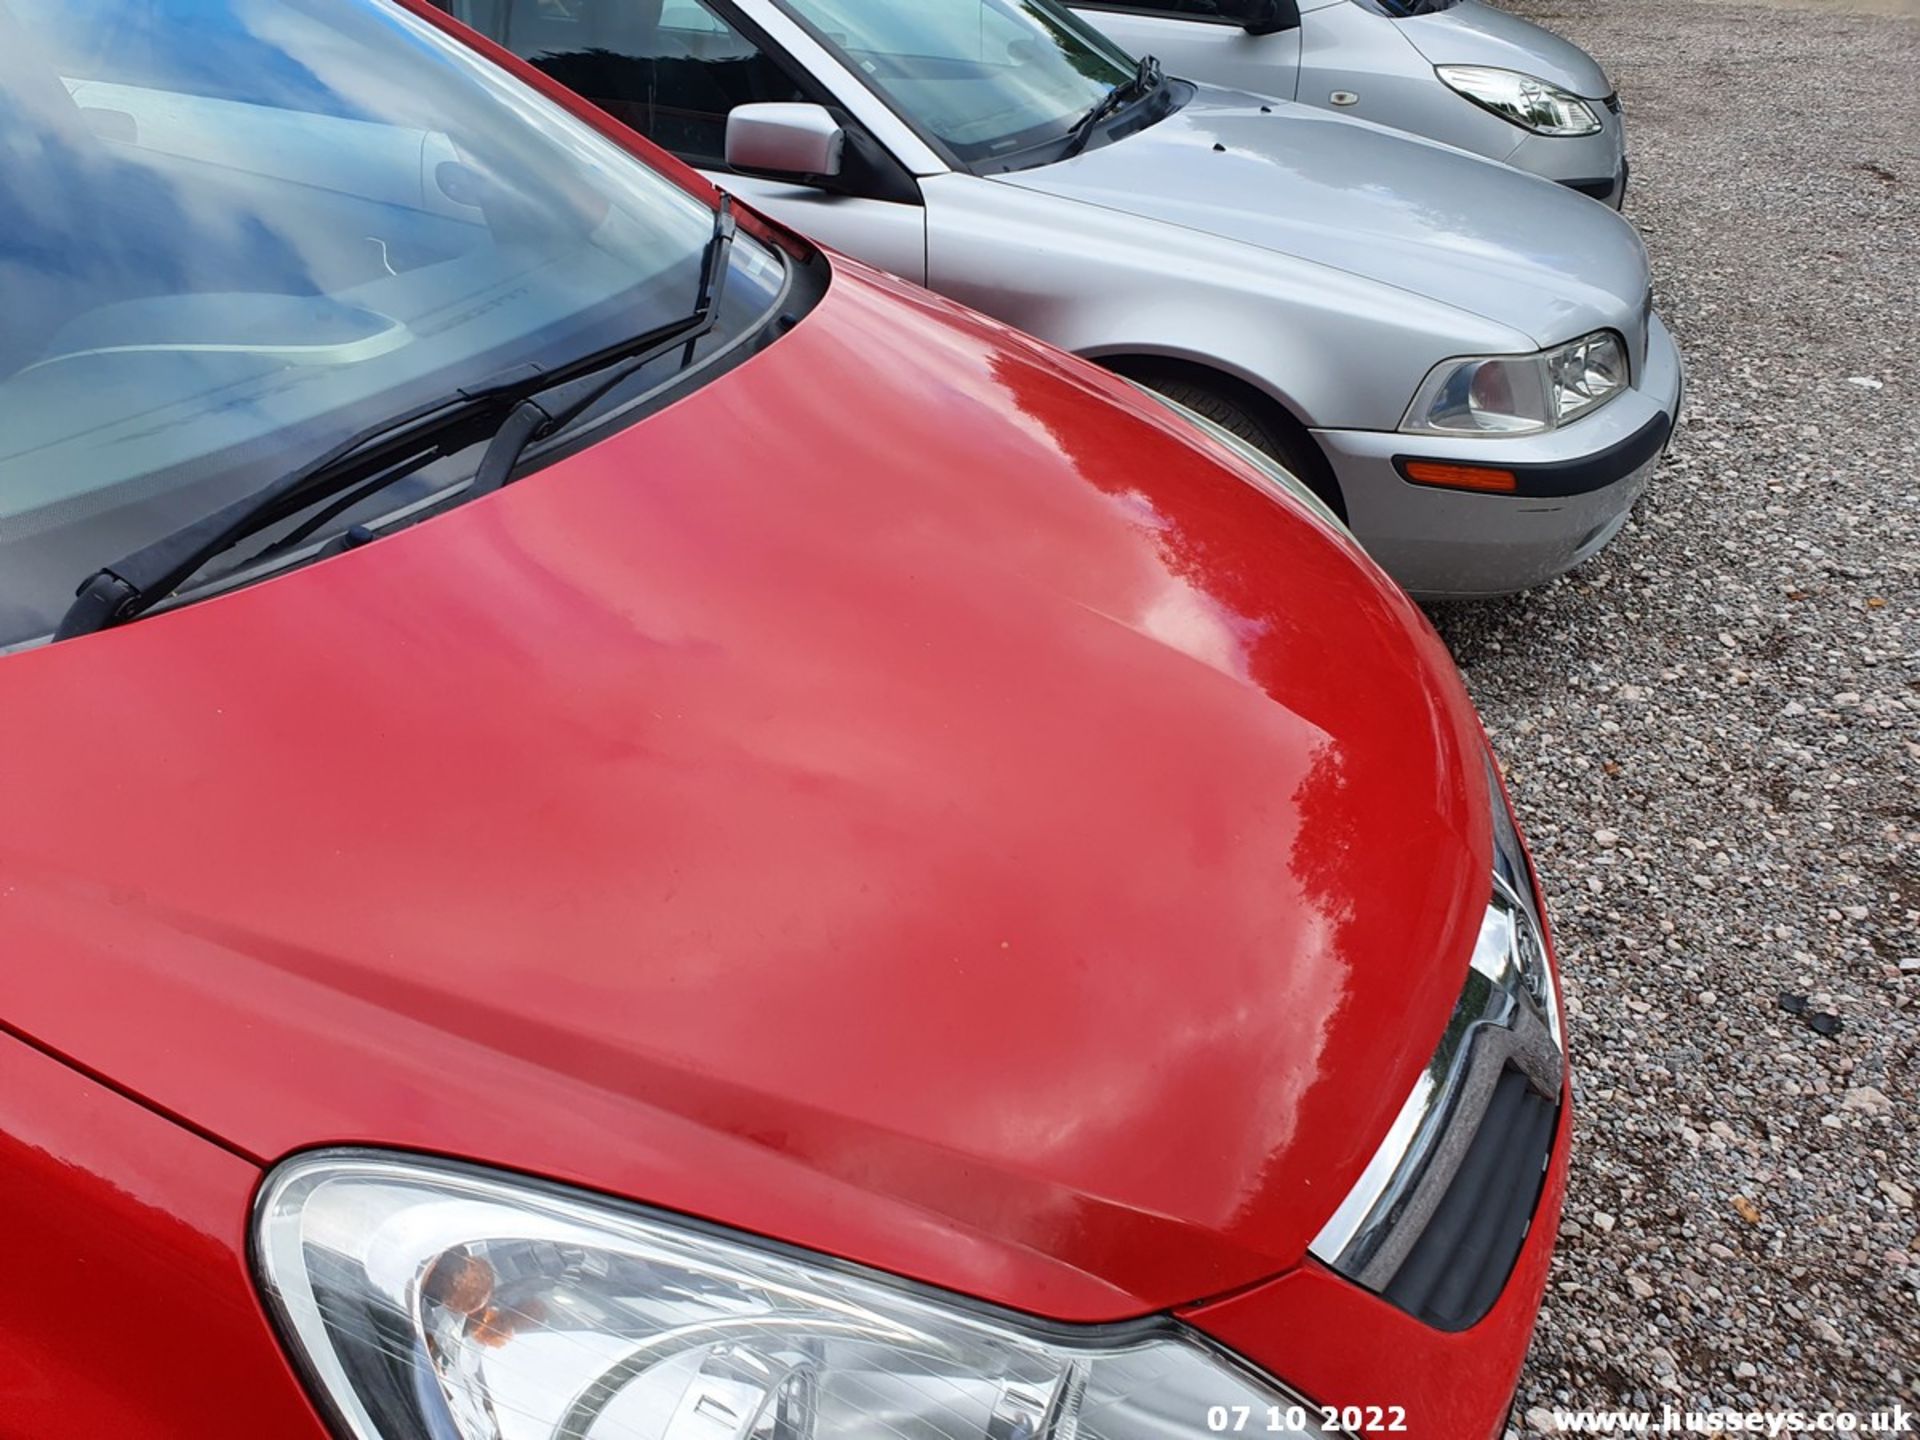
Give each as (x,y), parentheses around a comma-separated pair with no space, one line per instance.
(1867,1099)
(1712,732)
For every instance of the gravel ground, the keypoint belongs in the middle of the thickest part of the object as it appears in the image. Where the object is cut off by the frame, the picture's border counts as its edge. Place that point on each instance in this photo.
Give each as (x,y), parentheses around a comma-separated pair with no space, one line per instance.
(1714,734)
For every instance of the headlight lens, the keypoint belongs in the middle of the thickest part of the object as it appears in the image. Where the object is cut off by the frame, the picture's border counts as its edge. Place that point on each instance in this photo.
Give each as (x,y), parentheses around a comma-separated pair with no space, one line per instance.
(435,1301)
(1520,394)
(1525,100)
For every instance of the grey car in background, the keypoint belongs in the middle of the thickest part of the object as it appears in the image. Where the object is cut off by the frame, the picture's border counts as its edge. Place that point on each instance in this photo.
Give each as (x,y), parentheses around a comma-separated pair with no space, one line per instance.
(1454,70)
(1461,359)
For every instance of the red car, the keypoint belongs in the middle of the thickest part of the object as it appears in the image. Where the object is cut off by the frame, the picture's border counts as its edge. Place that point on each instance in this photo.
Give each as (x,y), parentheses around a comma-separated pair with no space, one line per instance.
(616,828)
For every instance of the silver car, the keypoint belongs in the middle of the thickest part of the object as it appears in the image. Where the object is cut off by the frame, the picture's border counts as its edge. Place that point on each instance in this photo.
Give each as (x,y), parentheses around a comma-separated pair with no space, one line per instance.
(1454,70)
(1461,359)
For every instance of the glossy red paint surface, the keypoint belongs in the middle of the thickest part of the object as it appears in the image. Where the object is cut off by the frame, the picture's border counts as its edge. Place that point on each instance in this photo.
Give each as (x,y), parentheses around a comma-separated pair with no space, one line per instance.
(126,1308)
(890,800)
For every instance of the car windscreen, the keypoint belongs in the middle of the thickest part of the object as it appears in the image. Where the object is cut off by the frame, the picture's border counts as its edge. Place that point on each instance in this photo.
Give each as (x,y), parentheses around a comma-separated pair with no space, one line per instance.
(1401,9)
(985,78)
(235,232)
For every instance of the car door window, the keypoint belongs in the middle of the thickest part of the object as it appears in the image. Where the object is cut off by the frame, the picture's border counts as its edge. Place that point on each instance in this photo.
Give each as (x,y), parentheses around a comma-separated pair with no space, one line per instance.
(671,69)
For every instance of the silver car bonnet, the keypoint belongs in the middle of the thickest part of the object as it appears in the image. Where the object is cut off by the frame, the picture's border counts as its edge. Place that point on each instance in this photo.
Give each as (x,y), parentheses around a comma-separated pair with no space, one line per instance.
(1376,203)
(1472,33)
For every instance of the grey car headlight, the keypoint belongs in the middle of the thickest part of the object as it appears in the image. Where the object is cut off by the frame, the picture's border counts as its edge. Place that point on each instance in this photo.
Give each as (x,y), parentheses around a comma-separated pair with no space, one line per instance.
(436,1302)
(1489,395)
(1525,100)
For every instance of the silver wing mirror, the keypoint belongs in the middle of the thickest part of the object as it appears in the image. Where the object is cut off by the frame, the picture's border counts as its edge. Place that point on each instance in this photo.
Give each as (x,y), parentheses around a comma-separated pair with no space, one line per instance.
(798,142)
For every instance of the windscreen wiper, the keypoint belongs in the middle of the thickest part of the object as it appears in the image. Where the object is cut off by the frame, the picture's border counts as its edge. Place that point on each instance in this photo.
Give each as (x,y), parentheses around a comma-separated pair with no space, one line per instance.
(1146,76)
(535,402)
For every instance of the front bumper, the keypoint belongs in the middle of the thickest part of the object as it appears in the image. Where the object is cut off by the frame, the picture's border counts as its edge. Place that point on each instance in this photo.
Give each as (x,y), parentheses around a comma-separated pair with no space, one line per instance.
(1579,486)
(1594,164)
(1612,193)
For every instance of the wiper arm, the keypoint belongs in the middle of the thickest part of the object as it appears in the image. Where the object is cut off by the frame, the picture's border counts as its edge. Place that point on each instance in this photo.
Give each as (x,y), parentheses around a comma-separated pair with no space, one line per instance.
(536,402)
(1146,76)
(558,405)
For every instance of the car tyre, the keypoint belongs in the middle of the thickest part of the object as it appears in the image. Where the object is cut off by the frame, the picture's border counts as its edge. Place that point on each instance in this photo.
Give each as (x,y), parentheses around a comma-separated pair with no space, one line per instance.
(1255,419)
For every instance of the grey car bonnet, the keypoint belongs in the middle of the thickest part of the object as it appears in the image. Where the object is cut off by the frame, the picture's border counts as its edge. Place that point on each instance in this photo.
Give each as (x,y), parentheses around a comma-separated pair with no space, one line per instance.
(1471,33)
(1532,256)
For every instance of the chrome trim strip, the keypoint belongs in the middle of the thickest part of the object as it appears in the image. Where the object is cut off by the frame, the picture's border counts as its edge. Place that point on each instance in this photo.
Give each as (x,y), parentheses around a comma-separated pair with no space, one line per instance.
(1507,1016)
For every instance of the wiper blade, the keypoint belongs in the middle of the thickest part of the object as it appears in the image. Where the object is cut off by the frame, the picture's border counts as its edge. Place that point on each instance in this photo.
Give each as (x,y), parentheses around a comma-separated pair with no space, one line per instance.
(1146,77)
(536,402)
(554,407)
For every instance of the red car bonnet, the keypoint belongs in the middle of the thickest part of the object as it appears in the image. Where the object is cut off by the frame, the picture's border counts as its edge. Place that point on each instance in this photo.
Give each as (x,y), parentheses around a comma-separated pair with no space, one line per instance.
(908,798)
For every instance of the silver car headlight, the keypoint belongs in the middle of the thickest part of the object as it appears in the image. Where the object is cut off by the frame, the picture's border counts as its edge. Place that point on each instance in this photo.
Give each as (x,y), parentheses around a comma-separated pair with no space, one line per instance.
(1491,395)
(1525,100)
(437,1302)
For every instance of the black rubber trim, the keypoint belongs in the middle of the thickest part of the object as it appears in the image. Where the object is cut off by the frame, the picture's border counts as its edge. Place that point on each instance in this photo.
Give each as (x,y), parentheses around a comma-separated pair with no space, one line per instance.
(1463,1259)
(1597,189)
(1564,477)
